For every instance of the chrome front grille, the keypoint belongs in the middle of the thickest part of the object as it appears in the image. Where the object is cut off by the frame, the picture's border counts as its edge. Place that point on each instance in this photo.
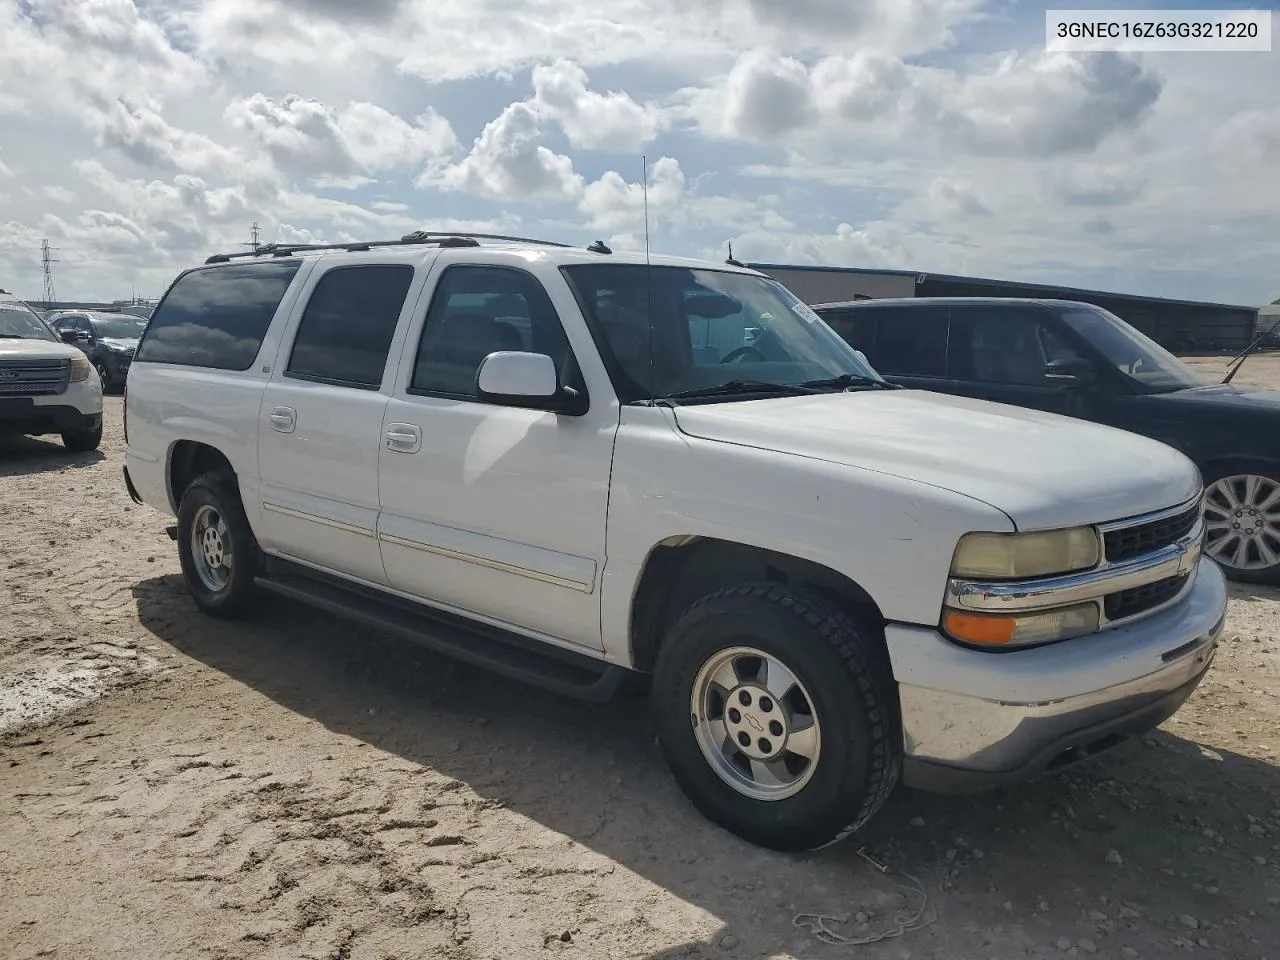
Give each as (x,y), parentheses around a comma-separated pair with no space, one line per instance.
(33,378)
(1125,543)
(1144,599)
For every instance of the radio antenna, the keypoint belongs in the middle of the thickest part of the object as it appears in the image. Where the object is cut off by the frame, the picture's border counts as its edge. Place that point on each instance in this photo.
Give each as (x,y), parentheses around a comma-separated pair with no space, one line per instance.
(648,270)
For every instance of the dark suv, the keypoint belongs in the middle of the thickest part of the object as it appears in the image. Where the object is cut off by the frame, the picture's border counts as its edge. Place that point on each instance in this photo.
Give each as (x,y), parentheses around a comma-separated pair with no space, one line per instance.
(1079,360)
(109,340)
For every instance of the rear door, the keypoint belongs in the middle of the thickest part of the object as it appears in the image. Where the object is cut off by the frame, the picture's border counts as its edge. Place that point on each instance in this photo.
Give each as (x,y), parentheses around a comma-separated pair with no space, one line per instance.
(906,344)
(320,424)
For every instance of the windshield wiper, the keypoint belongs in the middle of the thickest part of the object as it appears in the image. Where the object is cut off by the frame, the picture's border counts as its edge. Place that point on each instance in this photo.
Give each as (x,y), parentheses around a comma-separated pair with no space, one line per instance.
(847,380)
(1248,351)
(12,336)
(742,386)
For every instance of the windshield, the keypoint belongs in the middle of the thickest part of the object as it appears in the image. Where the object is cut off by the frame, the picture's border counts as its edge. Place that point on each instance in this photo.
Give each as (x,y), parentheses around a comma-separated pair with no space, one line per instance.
(18,321)
(1136,356)
(709,328)
(119,328)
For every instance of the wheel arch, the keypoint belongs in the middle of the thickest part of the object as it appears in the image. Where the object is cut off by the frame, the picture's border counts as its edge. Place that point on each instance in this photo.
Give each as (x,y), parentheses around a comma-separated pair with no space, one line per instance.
(1226,464)
(682,569)
(189,459)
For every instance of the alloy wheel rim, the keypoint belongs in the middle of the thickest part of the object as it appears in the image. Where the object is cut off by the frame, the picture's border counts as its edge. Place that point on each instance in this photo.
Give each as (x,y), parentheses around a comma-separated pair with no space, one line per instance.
(211,548)
(1242,521)
(755,724)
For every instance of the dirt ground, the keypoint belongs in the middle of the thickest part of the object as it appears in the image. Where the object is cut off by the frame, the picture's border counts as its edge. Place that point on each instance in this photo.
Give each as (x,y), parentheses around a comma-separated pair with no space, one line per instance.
(174,787)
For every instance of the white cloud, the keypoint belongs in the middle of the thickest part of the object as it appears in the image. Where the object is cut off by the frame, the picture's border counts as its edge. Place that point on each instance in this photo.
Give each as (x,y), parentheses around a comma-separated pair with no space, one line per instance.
(1036,104)
(59,194)
(896,26)
(614,204)
(509,162)
(594,121)
(1249,142)
(305,137)
(140,132)
(953,199)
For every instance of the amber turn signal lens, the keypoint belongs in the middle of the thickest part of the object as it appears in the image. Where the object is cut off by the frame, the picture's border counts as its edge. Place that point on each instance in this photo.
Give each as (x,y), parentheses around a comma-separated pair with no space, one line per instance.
(988,631)
(1005,630)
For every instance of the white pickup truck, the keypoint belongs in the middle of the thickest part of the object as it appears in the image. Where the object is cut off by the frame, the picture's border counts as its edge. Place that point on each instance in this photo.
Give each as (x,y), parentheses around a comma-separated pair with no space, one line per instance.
(575,466)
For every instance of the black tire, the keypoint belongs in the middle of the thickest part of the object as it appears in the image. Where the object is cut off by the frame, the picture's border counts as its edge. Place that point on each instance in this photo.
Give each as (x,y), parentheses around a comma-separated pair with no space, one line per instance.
(844,667)
(83,441)
(1268,576)
(104,375)
(236,598)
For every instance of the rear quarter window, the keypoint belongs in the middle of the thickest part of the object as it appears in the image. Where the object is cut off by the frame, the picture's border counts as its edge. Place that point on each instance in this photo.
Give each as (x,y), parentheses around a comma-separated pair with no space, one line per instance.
(217,316)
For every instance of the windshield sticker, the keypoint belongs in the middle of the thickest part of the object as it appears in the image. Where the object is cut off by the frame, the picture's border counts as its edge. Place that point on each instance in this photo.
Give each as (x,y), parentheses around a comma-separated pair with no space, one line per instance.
(804,313)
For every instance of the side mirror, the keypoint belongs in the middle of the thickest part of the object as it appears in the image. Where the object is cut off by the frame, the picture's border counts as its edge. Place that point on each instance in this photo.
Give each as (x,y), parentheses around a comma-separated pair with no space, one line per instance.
(1070,371)
(514,379)
(69,336)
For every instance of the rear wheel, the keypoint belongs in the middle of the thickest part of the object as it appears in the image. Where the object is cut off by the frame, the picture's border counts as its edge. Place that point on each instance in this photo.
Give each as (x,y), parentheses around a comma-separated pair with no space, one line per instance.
(777,715)
(1242,519)
(216,547)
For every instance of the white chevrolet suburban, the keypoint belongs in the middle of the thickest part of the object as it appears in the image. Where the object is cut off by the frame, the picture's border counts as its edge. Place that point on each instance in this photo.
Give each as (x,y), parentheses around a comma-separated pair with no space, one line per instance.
(45,386)
(575,466)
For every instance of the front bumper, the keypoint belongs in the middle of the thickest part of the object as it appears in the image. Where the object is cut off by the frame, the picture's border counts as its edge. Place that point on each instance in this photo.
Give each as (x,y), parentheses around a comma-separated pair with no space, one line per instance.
(974,719)
(37,420)
(117,364)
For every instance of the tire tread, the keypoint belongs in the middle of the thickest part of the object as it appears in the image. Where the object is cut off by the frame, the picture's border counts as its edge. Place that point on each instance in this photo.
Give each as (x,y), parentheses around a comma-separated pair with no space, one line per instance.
(865,661)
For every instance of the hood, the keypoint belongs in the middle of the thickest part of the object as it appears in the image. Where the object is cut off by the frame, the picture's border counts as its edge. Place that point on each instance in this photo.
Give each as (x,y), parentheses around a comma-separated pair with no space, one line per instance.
(121,343)
(1040,469)
(1222,397)
(36,350)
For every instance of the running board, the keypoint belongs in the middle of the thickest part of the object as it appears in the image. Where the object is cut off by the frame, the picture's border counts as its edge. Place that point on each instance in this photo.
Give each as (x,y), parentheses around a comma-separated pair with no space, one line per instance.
(509,654)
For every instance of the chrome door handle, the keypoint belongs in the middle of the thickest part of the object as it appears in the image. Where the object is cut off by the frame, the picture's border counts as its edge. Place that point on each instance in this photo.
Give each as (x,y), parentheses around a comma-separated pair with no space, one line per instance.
(283,419)
(403,437)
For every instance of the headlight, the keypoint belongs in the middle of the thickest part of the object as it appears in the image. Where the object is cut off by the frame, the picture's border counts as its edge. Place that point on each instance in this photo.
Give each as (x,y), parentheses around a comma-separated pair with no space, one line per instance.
(1011,556)
(1048,626)
(80,368)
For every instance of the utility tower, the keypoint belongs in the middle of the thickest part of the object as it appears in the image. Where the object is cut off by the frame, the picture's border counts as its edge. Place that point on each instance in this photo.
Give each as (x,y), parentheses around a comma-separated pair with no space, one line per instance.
(255,237)
(50,295)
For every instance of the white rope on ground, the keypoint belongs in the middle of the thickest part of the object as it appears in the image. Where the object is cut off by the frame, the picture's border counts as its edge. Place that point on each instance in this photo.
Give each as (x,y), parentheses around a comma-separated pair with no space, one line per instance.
(818,925)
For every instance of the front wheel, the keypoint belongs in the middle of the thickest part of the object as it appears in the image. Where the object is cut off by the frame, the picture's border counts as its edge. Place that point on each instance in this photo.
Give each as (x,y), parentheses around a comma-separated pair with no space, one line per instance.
(777,715)
(216,547)
(104,375)
(1242,523)
(83,441)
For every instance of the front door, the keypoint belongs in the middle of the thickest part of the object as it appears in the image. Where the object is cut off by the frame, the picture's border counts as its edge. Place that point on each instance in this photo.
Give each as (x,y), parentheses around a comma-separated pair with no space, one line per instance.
(495,511)
(1000,352)
(321,419)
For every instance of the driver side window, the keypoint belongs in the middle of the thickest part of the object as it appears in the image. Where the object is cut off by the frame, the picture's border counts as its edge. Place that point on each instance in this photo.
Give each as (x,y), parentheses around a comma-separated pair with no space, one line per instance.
(1002,346)
(476,311)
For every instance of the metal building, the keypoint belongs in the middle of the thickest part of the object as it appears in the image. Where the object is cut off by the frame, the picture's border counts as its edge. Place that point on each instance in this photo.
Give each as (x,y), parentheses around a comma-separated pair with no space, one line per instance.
(1184,326)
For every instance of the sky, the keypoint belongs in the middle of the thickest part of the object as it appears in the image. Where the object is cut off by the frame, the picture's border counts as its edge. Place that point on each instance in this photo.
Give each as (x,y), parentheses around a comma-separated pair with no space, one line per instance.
(140,136)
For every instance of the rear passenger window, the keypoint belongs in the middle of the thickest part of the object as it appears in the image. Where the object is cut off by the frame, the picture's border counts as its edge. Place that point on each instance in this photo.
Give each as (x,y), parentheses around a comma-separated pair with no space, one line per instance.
(346,330)
(856,327)
(911,342)
(217,316)
(476,311)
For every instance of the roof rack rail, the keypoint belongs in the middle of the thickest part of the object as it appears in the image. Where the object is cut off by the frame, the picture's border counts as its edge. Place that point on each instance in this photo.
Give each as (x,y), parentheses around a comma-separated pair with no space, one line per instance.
(439,238)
